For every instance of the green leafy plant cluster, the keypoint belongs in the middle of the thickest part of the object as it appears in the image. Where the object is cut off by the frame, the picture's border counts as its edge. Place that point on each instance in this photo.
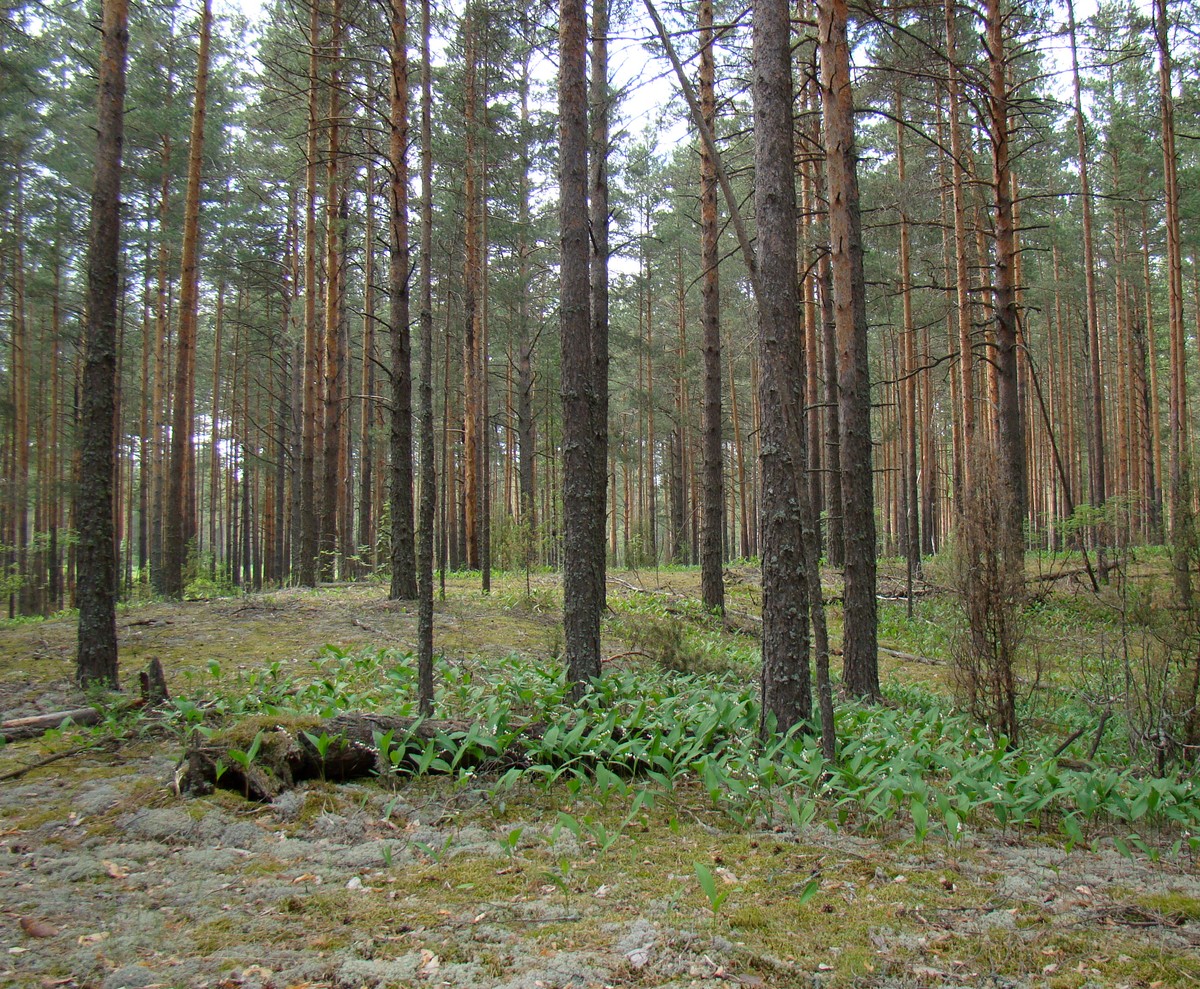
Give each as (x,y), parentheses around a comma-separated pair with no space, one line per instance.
(915,767)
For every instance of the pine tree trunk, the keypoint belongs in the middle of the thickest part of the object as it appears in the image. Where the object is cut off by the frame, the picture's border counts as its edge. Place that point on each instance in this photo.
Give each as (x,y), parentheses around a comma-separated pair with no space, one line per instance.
(331,427)
(1182,523)
(471,282)
(910,497)
(214,460)
(966,359)
(404,577)
(1009,423)
(581,605)
(366,443)
(712,584)
(425,399)
(525,423)
(96,658)
(786,692)
(1096,451)
(860,658)
(309,526)
(598,206)
(176,526)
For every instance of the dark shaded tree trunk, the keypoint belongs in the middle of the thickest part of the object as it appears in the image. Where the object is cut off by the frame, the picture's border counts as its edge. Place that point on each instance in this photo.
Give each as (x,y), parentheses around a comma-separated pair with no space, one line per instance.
(425,398)
(525,422)
(786,690)
(582,498)
(404,577)
(597,160)
(96,587)
(712,584)
(834,541)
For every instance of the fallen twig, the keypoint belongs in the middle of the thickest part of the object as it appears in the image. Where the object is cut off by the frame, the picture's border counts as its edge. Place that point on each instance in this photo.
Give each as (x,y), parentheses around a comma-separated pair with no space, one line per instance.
(14,774)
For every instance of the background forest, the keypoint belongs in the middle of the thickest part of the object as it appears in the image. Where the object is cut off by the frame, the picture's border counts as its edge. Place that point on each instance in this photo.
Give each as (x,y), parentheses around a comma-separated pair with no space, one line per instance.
(295,234)
(1023,303)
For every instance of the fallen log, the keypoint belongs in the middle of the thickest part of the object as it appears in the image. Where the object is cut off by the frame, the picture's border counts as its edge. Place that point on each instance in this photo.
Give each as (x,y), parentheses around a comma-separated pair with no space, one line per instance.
(909,657)
(16,729)
(349,746)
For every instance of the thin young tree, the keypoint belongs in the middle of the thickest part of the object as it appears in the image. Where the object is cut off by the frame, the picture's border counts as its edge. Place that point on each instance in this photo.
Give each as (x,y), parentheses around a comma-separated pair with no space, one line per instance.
(96,587)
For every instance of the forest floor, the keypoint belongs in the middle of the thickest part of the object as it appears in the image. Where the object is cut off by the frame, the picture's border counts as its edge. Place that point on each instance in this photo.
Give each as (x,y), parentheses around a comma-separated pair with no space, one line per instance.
(109,878)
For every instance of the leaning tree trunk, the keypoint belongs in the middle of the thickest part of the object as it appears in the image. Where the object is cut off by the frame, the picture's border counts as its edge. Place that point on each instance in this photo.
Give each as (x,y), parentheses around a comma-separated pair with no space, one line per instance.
(96,587)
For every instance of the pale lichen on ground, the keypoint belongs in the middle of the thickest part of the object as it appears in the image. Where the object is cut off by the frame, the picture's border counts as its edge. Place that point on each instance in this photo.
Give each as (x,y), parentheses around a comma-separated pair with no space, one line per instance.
(436,884)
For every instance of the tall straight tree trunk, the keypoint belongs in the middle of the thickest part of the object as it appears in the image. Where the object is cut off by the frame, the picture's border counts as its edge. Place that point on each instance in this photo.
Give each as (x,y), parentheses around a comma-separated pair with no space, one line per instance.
(214,462)
(525,423)
(366,441)
(404,576)
(786,692)
(20,375)
(425,399)
(309,537)
(582,504)
(162,333)
(178,528)
(834,535)
(1182,528)
(1096,451)
(908,388)
(145,469)
(712,584)
(471,291)
(966,360)
(1009,421)
(597,160)
(96,588)
(860,654)
(331,432)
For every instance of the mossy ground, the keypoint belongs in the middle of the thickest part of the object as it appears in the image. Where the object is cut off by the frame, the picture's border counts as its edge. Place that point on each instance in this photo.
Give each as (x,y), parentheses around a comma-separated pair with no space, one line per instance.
(434,882)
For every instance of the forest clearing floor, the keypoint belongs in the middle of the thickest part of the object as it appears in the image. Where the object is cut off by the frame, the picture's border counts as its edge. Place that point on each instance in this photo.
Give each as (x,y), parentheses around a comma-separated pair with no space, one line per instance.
(110,879)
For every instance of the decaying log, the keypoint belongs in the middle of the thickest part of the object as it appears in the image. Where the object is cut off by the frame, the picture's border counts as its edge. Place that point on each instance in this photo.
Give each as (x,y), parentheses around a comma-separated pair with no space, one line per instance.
(289,754)
(20,728)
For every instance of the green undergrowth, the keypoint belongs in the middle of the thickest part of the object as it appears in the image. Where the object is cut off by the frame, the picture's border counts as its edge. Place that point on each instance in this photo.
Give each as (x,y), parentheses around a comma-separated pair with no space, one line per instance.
(912,769)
